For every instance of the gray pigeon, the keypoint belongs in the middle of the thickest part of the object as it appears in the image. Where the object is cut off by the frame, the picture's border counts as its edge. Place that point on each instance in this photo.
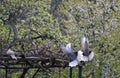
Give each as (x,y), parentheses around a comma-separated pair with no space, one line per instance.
(85,54)
(69,50)
(12,54)
(82,55)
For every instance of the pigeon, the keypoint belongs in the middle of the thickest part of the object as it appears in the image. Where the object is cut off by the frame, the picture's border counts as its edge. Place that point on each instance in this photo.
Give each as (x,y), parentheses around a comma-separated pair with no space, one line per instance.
(68,49)
(12,54)
(82,55)
(72,54)
(85,54)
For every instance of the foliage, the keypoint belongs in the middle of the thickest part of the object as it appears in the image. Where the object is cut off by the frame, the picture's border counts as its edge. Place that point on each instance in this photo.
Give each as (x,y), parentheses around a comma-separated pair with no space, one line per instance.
(100,22)
(31,24)
(31,21)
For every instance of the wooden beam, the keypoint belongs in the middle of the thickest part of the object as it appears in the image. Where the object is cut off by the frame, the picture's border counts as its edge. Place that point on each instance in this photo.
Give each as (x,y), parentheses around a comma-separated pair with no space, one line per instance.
(31,58)
(23,67)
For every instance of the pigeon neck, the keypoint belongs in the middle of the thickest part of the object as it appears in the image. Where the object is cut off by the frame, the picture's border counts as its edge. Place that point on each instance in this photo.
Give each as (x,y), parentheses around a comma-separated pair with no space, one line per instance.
(76,53)
(86,53)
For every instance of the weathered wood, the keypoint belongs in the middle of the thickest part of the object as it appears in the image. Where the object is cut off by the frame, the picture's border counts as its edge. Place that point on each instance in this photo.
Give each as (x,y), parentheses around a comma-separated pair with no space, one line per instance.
(30,58)
(23,67)
(31,62)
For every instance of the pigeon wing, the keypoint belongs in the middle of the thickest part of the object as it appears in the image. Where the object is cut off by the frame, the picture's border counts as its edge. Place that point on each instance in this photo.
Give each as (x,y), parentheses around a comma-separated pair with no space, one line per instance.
(85,45)
(68,49)
(91,56)
(64,50)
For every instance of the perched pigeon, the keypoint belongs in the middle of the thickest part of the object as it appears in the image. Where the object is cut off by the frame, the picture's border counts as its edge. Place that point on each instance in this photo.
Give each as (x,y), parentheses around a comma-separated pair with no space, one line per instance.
(12,54)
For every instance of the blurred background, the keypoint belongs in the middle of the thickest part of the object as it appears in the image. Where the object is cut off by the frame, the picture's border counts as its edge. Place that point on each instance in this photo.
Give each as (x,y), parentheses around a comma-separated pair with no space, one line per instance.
(40,27)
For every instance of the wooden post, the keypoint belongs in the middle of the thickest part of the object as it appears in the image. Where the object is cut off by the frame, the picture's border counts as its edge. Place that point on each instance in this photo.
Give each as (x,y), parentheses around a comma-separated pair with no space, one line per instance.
(6,72)
(70,72)
(79,71)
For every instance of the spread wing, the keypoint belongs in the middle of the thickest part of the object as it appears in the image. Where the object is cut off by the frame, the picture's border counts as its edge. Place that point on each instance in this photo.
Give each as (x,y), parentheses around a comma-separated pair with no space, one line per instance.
(85,45)
(69,50)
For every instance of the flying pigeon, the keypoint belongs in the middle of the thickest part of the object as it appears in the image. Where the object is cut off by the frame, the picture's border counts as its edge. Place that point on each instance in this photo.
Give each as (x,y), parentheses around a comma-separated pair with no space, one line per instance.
(12,54)
(69,50)
(85,54)
(82,55)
